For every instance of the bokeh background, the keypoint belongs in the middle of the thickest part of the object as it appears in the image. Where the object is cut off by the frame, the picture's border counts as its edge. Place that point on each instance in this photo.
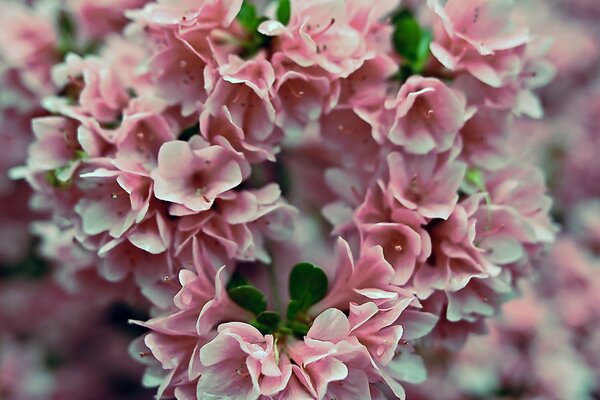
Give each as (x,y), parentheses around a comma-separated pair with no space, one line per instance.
(61,340)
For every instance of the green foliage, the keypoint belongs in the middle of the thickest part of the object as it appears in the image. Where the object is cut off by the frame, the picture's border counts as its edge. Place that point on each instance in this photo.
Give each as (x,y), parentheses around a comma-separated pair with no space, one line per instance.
(249,19)
(284,11)
(188,133)
(267,322)
(250,298)
(308,285)
(412,42)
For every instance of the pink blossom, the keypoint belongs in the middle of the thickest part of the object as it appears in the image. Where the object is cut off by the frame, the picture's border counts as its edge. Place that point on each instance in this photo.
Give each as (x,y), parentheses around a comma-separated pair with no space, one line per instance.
(97,89)
(397,230)
(426,184)
(328,34)
(241,363)
(426,115)
(194,174)
(478,38)
(244,90)
(301,94)
(455,257)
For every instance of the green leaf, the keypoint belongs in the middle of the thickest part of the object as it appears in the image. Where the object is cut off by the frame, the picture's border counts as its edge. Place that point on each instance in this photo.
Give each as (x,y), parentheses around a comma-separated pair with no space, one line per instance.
(269,318)
(411,42)
(298,328)
(188,133)
(474,176)
(284,11)
(293,309)
(66,33)
(308,285)
(237,280)
(249,297)
(247,17)
(407,35)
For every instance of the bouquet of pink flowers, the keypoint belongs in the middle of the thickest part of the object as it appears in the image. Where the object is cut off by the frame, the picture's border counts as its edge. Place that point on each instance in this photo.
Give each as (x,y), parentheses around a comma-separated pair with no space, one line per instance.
(305,199)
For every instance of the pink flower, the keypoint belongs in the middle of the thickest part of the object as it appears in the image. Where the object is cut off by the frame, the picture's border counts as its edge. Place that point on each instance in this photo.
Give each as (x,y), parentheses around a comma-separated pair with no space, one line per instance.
(333,363)
(478,37)
(112,201)
(427,184)
(241,363)
(426,115)
(177,337)
(101,17)
(140,135)
(181,76)
(484,139)
(97,89)
(301,95)
(244,90)
(238,231)
(349,138)
(189,13)
(369,278)
(397,230)
(515,223)
(192,175)
(455,258)
(330,34)
(28,47)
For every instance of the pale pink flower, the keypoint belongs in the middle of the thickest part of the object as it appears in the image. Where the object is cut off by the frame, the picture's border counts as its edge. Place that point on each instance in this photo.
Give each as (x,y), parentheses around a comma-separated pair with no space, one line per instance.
(478,37)
(181,76)
(368,86)
(484,139)
(369,278)
(177,337)
(28,47)
(192,175)
(424,116)
(427,184)
(241,363)
(516,223)
(455,257)
(144,129)
(334,364)
(237,231)
(244,90)
(97,18)
(331,34)
(98,91)
(301,95)
(349,138)
(112,201)
(174,14)
(397,230)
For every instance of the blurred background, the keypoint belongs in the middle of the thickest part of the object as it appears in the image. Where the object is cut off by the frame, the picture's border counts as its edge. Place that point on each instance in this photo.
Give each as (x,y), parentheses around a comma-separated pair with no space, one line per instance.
(59,340)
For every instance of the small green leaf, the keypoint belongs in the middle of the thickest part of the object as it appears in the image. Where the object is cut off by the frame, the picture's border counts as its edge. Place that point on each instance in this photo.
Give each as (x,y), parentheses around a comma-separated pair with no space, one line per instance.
(237,280)
(411,42)
(264,329)
(269,318)
(474,176)
(66,33)
(188,133)
(247,17)
(266,322)
(407,35)
(308,285)
(298,328)
(249,297)
(284,11)
(293,309)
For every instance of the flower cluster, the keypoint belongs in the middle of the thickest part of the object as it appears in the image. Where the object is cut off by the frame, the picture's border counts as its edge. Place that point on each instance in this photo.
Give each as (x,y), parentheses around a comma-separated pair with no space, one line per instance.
(209,156)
